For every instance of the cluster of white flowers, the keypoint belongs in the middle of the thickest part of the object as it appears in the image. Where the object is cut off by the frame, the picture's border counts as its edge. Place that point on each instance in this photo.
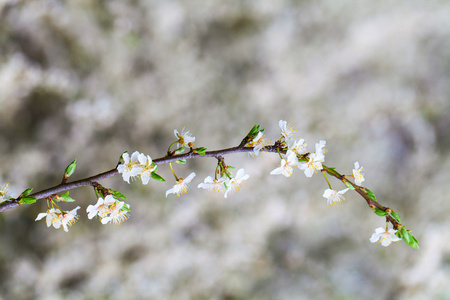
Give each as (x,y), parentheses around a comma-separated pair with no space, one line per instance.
(294,150)
(139,165)
(56,217)
(109,209)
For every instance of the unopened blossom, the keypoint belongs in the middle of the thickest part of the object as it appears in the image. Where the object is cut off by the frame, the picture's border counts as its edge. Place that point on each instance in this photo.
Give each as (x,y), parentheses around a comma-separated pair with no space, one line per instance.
(184,138)
(56,217)
(359,177)
(181,186)
(315,161)
(257,143)
(334,197)
(211,184)
(235,183)
(386,237)
(109,209)
(287,166)
(287,131)
(130,166)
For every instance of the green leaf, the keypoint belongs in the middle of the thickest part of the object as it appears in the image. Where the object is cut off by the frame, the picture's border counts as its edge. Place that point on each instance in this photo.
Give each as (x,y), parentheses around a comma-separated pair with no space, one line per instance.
(70,169)
(26,192)
(405,235)
(179,150)
(254,131)
(370,194)
(181,161)
(64,197)
(28,200)
(379,212)
(157,177)
(117,194)
(200,150)
(126,208)
(395,216)
(409,238)
(349,185)
(414,243)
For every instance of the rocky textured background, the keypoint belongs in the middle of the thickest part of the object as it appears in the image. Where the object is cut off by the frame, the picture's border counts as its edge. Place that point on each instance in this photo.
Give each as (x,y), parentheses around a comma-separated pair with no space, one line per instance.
(90,79)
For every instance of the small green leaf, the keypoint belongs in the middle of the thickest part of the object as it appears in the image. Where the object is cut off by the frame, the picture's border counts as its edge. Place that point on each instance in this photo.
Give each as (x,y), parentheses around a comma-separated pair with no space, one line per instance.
(405,235)
(126,208)
(70,169)
(370,194)
(28,200)
(26,192)
(395,216)
(379,212)
(349,185)
(117,194)
(200,150)
(181,161)
(254,131)
(64,197)
(157,177)
(179,150)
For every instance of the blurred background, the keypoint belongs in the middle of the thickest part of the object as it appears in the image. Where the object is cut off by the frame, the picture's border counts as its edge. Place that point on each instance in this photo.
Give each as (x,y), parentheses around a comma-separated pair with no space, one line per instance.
(89,79)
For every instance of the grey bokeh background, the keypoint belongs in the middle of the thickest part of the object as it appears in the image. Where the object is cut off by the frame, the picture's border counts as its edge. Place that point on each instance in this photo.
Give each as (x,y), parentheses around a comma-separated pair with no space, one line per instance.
(90,79)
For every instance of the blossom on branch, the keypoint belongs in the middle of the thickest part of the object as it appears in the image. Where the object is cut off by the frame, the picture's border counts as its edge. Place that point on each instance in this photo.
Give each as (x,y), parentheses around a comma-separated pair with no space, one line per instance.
(287,166)
(109,209)
(235,183)
(315,161)
(334,197)
(5,192)
(385,236)
(59,218)
(139,165)
(297,147)
(130,166)
(184,138)
(211,184)
(147,167)
(287,131)
(182,186)
(359,177)
(258,143)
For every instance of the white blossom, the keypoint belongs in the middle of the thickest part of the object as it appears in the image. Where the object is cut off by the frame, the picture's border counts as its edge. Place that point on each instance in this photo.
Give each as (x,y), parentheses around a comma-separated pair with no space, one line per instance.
(385,236)
(235,183)
(334,197)
(109,209)
(315,161)
(287,166)
(184,138)
(359,177)
(287,131)
(181,186)
(211,184)
(56,217)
